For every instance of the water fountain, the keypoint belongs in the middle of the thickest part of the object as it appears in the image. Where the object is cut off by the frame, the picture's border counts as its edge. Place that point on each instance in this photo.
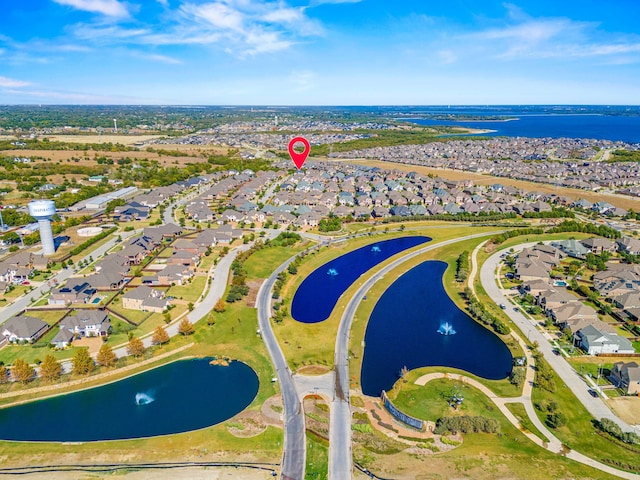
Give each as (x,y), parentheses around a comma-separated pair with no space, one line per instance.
(143,399)
(332,272)
(375,249)
(446,329)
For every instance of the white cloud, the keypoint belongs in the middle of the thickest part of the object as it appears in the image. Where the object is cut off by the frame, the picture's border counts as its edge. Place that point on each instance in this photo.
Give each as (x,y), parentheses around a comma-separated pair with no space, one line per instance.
(159,58)
(548,37)
(303,80)
(110,8)
(217,14)
(6,82)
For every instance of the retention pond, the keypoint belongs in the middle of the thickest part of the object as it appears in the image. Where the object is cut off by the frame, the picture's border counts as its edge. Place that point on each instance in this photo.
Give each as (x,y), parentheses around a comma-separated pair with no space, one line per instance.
(178,397)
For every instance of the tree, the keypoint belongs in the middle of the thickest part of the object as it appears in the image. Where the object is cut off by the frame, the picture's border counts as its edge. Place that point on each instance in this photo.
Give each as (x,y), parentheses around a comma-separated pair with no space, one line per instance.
(160,336)
(22,371)
(135,347)
(185,327)
(106,357)
(50,369)
(220,306)
(82,362)
(556,420)
(4,374)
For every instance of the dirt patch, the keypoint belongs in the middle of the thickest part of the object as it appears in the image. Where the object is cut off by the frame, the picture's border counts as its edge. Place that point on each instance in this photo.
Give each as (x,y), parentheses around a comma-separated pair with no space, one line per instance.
(94,344)
(313,370)
(272,411)
(627,408)
(247,424)
(254,287)
(187,473)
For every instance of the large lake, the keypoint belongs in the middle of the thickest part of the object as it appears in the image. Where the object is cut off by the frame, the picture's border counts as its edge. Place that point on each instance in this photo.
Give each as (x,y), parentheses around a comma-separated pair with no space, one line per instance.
(600,127)
(403,331)
(318,294)
(178,397)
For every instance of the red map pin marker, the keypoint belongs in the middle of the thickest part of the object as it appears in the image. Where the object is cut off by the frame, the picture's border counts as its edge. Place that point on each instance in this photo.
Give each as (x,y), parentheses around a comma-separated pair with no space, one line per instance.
(299,158)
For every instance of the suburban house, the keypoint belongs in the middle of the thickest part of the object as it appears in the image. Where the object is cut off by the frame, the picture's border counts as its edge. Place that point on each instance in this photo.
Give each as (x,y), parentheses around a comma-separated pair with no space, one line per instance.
(174,275)
(618,279)
(572,311)
(594,341)
(145,299)
(23,328)
(597,245)
(77,290)
(626,376)
(85,323)
(629,245)
(17,268)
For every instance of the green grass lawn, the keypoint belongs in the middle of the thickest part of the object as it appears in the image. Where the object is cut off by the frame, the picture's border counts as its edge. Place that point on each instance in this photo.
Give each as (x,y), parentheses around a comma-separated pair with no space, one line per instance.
(481,455)
(189,292)
(579,431)
(262,263)
(49,316)
(31,353)
(136,316)
(317,458)
(520,413)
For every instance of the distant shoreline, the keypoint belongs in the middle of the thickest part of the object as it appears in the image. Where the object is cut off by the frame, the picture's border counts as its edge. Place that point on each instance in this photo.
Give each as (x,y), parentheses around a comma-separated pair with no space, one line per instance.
(510,119)
(471,131)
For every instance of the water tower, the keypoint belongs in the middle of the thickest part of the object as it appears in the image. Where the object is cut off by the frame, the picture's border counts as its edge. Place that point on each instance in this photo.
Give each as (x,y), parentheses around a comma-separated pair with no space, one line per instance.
(43,211)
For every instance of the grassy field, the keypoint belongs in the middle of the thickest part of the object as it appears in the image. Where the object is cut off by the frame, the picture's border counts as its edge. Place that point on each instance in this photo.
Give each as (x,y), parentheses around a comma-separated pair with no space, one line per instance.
(190,292)
(481,455)
(579,431)
(317,458)
(262,263)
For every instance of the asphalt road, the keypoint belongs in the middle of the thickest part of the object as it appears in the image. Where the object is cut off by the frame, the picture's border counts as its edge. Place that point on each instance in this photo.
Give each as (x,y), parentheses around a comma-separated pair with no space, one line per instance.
(565,371)
(294,451)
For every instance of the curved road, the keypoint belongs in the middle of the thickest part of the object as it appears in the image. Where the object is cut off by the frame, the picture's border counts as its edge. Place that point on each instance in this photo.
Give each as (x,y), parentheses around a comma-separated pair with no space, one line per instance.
(294,451)
(595,406)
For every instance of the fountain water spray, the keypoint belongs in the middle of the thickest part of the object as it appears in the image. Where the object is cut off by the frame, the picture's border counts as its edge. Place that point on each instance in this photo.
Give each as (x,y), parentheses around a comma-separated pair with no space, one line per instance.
(332,272)
(446,329)
(144,399)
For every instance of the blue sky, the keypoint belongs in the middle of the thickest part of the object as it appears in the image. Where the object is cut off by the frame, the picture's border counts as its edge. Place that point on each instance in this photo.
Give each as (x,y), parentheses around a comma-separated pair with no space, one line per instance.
(320,52)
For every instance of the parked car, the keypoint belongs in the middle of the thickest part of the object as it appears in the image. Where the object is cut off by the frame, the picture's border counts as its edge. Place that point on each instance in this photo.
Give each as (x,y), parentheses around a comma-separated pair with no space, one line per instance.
(503,306)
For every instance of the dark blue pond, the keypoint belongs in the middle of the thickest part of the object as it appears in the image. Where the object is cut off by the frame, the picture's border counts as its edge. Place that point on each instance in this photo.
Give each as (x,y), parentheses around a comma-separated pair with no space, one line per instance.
(178,397)
(319,292)
(403,331)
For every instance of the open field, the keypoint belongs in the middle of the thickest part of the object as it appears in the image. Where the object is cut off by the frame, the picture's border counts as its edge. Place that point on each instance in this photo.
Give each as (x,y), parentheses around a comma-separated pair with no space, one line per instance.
(627,408)
(479,179)
(106,138)
(481,455)
(79,157)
